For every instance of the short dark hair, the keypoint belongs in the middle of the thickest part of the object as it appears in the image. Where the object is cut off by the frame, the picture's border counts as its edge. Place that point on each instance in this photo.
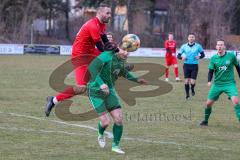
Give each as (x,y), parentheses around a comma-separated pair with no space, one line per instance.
(220,39)
(102,5)
(170,33)
(191,33)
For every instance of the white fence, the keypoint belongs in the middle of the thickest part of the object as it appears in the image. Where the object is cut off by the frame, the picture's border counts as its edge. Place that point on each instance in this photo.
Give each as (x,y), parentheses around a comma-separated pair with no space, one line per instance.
(11,49)
(67,49)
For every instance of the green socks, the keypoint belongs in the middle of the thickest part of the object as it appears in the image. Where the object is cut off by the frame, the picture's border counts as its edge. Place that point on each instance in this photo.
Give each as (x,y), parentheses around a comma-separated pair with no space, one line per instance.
(237,111)
(207,112)
(101,129)
(117,134)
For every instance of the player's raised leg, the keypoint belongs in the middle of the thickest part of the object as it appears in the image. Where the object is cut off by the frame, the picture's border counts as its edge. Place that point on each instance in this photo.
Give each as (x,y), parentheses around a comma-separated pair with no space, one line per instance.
(82,77)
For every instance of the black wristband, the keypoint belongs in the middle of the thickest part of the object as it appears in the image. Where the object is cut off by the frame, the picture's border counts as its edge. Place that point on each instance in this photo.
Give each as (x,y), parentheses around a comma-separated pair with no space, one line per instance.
(202,55)
(104,38)
(179,56)
(100,46)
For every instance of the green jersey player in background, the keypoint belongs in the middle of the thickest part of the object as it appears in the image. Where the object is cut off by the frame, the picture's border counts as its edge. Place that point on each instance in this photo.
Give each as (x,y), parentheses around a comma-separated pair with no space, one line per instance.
(222,66)
(105,70)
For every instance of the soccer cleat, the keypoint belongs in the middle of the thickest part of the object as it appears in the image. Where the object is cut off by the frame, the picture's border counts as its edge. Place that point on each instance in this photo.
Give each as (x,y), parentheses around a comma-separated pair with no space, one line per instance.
(204,123)
(117,149)
(178,79)
(101,141)
(187,97)
(166,79)
(49,105)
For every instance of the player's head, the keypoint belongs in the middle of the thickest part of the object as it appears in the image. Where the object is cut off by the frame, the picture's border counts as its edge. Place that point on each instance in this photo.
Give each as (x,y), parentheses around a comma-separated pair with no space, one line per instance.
(170,36)
(191,38)
(123,54)
(220,46)
(110,36)
(104,13)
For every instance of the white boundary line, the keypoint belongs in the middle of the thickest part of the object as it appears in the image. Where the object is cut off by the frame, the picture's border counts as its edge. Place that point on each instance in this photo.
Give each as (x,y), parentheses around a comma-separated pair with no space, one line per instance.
(41,131)
(109,134)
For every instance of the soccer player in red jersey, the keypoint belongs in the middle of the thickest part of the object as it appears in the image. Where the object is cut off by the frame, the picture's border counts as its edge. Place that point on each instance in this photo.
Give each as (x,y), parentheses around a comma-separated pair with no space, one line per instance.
(91,34)
(171,59)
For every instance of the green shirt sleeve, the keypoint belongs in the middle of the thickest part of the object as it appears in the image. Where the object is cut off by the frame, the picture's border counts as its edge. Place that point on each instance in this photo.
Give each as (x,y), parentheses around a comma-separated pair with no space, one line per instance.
(96,67)
(129,75)
(235,61)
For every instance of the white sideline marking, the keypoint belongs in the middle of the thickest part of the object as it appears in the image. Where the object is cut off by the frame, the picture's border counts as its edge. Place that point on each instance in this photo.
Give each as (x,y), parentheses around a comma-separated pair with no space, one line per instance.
(109,134)
(40,131)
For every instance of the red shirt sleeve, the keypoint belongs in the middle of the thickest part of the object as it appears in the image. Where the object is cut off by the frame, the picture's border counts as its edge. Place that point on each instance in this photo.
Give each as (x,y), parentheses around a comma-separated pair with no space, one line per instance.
(95,33)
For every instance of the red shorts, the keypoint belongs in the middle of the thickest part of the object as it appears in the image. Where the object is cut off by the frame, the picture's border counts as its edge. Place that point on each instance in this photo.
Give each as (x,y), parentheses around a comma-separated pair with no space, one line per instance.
(82,75)
(171,61)
(81,63)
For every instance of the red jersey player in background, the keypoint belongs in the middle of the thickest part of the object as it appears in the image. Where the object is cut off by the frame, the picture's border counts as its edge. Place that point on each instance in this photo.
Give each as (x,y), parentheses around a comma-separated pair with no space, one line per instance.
(91,34)
(171,59)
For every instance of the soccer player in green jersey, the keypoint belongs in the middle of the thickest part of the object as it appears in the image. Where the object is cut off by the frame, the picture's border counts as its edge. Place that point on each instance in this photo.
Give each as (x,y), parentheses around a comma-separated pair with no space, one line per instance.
(105,70)
(222,66)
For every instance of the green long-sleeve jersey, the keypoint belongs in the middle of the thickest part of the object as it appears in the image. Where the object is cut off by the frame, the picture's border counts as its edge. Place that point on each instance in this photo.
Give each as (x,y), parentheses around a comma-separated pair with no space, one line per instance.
(223,67)
(106,68)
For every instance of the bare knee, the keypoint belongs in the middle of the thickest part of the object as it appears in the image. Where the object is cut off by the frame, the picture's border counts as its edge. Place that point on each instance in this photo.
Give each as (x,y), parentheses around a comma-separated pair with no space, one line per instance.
(192,81)
(79,89)
(235,100)
(106,122)
(118,119)
(187,81)
(209,103)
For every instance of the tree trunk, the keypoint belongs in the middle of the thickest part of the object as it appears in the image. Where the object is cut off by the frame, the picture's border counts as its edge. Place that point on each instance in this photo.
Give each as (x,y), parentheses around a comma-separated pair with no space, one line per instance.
(152,14)
(24,24)
(130,12)
(67,20)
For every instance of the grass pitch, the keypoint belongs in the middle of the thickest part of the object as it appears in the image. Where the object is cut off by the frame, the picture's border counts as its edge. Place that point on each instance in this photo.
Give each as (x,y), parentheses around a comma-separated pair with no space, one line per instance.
(26,133)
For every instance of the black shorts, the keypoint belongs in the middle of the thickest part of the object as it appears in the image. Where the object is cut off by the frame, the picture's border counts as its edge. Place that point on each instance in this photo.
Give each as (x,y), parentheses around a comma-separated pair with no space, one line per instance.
(190,71)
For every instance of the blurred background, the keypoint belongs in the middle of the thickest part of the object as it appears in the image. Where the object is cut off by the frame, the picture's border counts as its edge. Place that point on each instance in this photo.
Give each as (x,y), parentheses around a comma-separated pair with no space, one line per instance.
(58,21)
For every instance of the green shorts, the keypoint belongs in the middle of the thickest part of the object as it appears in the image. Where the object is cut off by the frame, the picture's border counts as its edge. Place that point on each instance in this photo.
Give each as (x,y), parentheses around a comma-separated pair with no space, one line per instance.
(216,91)
(102,103)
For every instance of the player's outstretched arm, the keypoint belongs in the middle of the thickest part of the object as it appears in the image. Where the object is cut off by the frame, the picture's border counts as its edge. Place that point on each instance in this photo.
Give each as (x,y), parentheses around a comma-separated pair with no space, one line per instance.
(131,77)
(142,81)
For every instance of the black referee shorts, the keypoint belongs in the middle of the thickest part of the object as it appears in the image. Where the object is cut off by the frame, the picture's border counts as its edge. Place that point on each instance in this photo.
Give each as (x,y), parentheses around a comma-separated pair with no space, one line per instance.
(190,71)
